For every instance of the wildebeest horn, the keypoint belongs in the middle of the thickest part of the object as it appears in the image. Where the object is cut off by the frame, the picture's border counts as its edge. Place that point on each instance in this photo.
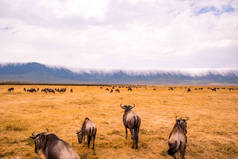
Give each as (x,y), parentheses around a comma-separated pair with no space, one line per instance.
(47,130)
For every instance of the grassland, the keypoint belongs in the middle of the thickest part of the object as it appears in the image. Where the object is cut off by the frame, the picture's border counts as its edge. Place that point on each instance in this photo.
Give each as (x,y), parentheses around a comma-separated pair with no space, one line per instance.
(212,128)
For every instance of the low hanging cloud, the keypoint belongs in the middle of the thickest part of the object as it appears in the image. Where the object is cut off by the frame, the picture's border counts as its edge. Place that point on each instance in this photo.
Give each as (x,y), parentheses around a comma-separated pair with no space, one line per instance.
(115,34)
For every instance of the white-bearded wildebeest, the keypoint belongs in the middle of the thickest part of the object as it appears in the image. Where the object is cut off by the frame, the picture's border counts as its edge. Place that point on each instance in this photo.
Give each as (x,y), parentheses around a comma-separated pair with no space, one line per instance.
(132,121)
(178,139)
(51,147)
(89,129)
(10,89)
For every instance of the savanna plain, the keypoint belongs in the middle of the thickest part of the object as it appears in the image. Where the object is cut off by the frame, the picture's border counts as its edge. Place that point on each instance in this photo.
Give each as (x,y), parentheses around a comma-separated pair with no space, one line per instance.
(212,125)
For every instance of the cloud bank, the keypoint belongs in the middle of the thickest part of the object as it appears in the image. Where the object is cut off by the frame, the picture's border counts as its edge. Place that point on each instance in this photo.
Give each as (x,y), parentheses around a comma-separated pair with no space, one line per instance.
(116,34)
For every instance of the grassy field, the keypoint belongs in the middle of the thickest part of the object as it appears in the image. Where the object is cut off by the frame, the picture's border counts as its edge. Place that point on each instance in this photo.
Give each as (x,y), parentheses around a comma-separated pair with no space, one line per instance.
(212,127)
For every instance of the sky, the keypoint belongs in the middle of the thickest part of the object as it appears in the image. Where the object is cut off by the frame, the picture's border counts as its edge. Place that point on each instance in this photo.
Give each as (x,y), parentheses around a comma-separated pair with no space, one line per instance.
(121,34)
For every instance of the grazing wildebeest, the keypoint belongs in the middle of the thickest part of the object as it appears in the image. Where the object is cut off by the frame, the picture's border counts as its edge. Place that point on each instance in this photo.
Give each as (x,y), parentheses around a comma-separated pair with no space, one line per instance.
(107,89)
(51,147)
(60,90)
(111,91)
(10,89)
(178,139)
(214,89)
(88,128)
(129,89)
(117,90)
(171,88)
(132,121)
(49,90)
(71,90)
(31,90)
(25,89)
(188,90)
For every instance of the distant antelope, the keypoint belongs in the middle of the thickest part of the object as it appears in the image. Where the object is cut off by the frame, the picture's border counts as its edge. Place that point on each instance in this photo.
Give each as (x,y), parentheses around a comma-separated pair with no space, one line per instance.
(10,89)
(178,139)
(89,129)
(188,90)
(132,121)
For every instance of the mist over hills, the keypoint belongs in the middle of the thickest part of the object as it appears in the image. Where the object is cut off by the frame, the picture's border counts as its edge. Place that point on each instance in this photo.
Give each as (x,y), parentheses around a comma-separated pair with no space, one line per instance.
(39,73)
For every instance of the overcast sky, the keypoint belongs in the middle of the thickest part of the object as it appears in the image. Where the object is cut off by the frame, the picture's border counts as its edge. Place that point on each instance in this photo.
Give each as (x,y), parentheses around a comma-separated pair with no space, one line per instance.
(120,34)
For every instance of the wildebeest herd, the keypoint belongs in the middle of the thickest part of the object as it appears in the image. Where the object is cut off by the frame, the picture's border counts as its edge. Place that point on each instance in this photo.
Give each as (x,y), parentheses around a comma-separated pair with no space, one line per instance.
(44,90)
(112,89)
(52,147)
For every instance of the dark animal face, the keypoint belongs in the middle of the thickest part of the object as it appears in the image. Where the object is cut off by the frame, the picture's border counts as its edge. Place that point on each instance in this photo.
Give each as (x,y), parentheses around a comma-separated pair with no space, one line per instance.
(182,123)
(127,107)
(80,136)
(40,141)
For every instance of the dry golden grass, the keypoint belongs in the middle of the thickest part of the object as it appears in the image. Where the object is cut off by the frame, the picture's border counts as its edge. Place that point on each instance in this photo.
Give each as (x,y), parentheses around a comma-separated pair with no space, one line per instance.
(212,128)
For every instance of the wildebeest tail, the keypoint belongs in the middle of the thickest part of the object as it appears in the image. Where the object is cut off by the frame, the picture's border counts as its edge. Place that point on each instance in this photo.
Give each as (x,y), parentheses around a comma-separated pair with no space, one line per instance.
(173,148)
(136,122)
(136,127)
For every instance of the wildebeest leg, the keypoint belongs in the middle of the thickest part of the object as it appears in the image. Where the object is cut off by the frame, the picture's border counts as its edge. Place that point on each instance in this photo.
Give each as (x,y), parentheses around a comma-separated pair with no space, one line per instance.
(84,138)
(182,150)
(136,137)
(94,136)
(132,133)
(126,132)
(89,139)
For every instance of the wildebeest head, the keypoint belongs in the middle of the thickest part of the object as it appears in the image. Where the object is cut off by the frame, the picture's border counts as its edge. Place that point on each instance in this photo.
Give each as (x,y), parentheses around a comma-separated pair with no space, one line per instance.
(39,140)
(182,123)
(80,136)
(127,107)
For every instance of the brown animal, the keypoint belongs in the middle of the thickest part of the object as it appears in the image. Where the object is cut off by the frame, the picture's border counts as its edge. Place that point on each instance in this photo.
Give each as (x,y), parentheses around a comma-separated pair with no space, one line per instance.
(49,146)
(10,89)
(89,129)
(132,121)
(178,139)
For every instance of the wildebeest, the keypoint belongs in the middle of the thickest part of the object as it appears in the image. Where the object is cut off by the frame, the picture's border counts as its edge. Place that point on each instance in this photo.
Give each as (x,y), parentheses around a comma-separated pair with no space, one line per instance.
(88,128)
(48,90)
(111,91)
(60,90)
(71,90)
(171,88)
(132,121)
(51,147)
(107,89)
(178,139)
(31,90)
(129,89)
(214,89)
(117,90)
(10,89)
(188,90)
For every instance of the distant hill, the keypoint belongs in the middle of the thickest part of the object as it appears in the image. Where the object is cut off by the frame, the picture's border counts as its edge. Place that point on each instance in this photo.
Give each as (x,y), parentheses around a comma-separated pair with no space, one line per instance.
(39,73)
